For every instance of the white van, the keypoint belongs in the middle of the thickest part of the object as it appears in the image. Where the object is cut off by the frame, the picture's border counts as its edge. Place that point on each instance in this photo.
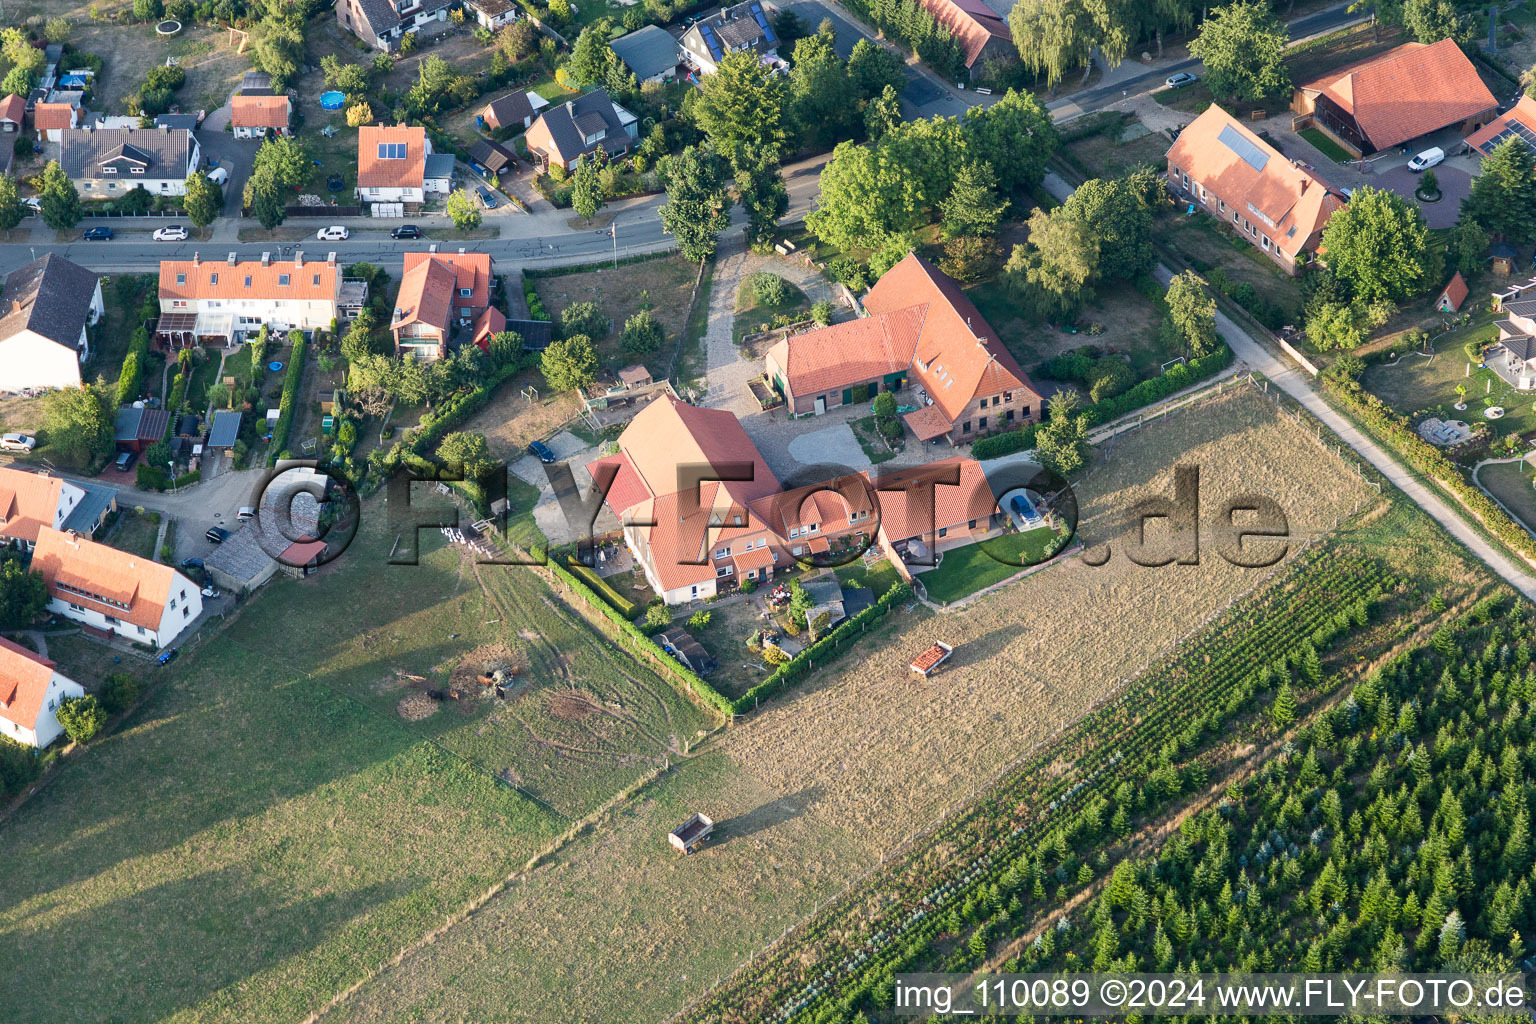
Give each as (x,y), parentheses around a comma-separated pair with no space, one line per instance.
(1425,160)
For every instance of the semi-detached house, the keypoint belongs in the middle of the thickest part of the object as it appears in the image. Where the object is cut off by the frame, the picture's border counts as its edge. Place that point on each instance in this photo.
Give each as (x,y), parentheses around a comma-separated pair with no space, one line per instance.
(31,690)
(222,301)
(438,292)
(112,592)
(104,163)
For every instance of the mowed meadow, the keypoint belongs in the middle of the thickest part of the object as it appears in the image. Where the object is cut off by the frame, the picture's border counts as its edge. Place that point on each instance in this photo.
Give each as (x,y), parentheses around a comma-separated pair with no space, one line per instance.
(288,809)
(813,789)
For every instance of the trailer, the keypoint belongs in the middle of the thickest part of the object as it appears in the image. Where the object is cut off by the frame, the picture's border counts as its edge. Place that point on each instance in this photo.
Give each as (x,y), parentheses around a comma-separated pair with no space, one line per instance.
(692,834)
(926,663)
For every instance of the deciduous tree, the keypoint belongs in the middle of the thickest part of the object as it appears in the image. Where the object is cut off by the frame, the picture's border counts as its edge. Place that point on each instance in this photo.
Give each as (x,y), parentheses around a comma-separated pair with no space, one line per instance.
(462,210)
(1378,246)
(1116,214)
(569,364)
(11,210)
(698,206)
(79,423)
(1061,443)
(743,102)
(1243,47)
(203,200)
(972,206)
(23,595)
(61,203)
(1055,268)
(762,193)
(587,195)
(1016,135)
(466,452)
(1192,313)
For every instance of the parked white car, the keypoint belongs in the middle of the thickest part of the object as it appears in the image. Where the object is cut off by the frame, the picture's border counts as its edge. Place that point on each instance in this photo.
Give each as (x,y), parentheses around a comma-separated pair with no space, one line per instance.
(18,443)
(219,175)
(35,202)
(171,233)
(334,233)
(1427,159)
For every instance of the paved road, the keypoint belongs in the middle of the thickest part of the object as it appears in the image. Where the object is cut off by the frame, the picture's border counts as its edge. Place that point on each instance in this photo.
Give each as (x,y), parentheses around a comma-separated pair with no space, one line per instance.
(1295,384)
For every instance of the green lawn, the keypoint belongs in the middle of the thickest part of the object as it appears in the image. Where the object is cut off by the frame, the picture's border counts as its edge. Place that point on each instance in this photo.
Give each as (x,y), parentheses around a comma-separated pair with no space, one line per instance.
(880,577)
(963,571)
(751,315)
(267,828)
(1512,484)
(136,533)
(1332,150)
(874,446)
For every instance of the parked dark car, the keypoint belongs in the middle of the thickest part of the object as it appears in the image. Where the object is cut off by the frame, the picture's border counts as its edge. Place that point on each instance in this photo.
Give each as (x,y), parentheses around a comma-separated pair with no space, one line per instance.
(168,655)
(97,234)
(217,534)
(487,198)
(125,461)
(541,449)
(192,563)
(406,231)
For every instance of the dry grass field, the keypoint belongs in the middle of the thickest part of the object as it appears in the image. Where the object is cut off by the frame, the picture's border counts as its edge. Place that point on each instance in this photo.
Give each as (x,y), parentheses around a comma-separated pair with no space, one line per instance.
(666,283)
(860,757)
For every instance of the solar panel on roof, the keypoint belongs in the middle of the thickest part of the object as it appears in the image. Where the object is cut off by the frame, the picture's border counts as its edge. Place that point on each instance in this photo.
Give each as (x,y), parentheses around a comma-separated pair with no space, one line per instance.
(1512,130)
(709,41)
(762,23)
(1250,154)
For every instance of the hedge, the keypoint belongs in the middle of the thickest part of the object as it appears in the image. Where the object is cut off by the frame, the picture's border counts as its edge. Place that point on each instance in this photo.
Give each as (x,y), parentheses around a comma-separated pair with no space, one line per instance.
(803,662)
(131,379)
(288,401)
(1145,393)
(627,608)
(637,642)
(1397,433)
(423,438)
(535,304)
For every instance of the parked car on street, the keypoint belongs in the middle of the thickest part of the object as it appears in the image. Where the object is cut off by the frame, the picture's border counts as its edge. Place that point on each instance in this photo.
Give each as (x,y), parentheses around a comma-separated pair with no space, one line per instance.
(217,534)
(97,234)
(1181,79)
(406,231)
(18,443)
(334,233)
(172,233)
(487,197)
(542,450)
(1427,159)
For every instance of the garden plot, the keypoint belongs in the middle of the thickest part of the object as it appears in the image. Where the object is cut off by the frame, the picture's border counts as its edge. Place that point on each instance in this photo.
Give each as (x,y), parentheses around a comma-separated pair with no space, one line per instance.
(865,752)
(666,283)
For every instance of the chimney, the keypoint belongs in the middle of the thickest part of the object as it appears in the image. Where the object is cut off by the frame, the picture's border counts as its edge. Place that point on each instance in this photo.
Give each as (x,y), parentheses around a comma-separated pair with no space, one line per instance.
(298,258)
(266,259)
(330,258)
(233,258)
(196,258)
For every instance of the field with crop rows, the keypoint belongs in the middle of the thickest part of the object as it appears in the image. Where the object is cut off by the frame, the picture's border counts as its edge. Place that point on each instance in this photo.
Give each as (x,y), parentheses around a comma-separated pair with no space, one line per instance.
(863,753)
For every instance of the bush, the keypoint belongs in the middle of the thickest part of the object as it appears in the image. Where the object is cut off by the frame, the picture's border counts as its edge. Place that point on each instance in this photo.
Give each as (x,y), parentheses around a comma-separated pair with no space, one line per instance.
(642,333)
(769,289)
(583,318)
(699,620)
(290,397)
(118,692)
(657,617)
(19,767)
(822,312)
(82,717)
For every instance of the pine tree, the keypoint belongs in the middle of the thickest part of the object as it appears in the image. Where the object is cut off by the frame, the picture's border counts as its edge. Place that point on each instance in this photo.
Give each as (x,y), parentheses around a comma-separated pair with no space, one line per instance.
(972,207)
(1503,198)
(1283,710)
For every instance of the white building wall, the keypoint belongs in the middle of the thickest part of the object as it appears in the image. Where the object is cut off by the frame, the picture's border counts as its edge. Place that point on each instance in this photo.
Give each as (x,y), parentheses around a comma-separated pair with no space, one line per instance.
(172,621)
(29,360)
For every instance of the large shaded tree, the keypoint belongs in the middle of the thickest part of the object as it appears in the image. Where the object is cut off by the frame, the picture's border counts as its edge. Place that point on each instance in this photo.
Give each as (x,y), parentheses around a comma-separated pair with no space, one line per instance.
(698,205)
(1378,247)
(1016,135)
(973,206)
(1503,197)
(61,203)
(1055,269)
(743,102)
(761,191)
(1192,314)
(823,98)
(1116,213)
(1243,47)
(79,423)
(1057,36)
(569,364)
(890,187)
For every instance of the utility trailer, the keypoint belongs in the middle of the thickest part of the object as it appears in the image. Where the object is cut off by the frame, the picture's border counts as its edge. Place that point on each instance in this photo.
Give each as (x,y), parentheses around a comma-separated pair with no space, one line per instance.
(927,663)
(692,834)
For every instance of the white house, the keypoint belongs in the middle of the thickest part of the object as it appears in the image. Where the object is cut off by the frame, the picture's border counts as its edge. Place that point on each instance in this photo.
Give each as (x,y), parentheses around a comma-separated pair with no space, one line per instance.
(392,163)
(217,300)
(31,501)
(382,23)
(493,14)
(31,690)
(113,592)
(108,162)
(44,312)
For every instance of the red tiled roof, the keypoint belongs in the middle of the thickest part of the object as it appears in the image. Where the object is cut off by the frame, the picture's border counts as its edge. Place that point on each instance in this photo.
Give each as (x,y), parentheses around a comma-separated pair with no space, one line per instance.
(627,489)
(426,296)
(50,116)
(302,552)
(1408,91)
(1522,113)
(971,22)
(471,270)
(259,111)
(751,561)
(24,681)
(28,502)
(928,422)
(1455,291)
(13,108)
(103,578)
(248,279)
(374,171)
(903,504)
(1295,202)
(834,357)
(488,324)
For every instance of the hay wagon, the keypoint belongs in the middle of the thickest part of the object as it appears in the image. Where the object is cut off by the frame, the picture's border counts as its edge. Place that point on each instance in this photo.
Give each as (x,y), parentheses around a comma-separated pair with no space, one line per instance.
(692,834)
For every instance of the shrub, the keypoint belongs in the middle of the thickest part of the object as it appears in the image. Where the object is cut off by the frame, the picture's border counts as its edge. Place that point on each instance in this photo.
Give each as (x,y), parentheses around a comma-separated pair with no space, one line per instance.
(82,717)
(657,617)
(769,289)
(19,767)
(583,318)
(699,620)
(822,312)
(623,605)
(118,692)
(642,333)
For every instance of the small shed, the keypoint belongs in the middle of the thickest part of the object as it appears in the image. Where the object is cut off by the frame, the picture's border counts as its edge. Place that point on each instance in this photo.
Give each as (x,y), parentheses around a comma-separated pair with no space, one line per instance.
(635,376)
(680,644)
(827,597)
(926,663)
(136,428)
(1503,255)
(1454,295)
(328,401)
(302,557)
(691,834)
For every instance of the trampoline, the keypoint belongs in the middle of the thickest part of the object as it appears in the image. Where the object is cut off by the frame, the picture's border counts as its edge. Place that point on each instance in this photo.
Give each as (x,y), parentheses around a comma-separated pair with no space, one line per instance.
(332,100)
(274,367)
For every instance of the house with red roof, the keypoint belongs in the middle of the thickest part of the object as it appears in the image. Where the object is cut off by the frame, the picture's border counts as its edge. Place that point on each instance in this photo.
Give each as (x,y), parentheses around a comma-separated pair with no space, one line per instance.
(1217,163)
(392,163)
(1518,122)
(922,332)
(439,292)
(31,690)
(981,33)
(1398,96)
(31,501)
(256,116)
(13,113)
(222,299)
(114,592)
(702,512)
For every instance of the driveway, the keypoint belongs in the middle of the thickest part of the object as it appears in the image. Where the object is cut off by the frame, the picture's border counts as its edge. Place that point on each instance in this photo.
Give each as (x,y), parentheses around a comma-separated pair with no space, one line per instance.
(1455,183)
(222,148)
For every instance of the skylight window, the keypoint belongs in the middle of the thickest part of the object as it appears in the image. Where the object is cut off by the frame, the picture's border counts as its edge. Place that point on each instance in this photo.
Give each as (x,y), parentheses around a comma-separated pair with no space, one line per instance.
(392,151)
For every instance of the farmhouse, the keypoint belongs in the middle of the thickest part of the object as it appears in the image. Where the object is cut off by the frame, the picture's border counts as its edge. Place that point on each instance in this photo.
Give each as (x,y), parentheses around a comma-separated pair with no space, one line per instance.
(382,23)
(257,116)
(223,301)
(44,312)
(1239,179)
(743,26)
(112,592)
(1387,100)
(31,501)
(31,690)
(981,33)
(591,123)
(650,52)
(110,161)
(922,330)
(439,291)
(392,163)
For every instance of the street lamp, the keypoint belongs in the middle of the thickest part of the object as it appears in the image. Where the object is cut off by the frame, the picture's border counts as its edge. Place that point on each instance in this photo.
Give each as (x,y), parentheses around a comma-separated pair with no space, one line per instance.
(171,466)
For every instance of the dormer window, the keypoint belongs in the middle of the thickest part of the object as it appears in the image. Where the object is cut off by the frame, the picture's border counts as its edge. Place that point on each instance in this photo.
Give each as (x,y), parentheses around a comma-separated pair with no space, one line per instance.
(464,293)
(109,170)
(136,170)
